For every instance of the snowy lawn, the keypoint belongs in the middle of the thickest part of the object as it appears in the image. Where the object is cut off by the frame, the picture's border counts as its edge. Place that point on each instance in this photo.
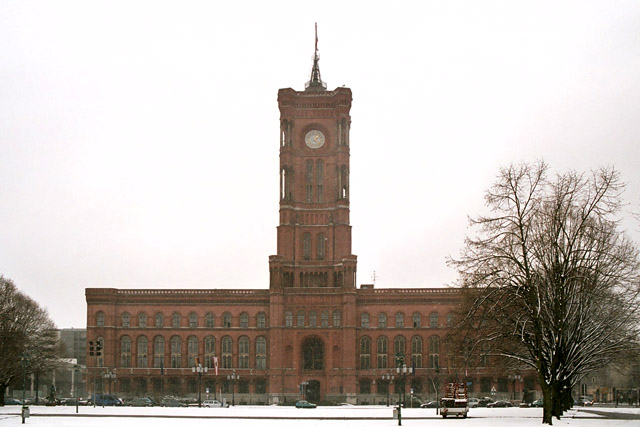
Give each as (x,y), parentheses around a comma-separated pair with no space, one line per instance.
(274,416)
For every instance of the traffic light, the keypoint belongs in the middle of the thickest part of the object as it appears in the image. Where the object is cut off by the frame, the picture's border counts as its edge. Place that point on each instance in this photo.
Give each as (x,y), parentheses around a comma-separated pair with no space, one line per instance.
(98,348)
(91,348)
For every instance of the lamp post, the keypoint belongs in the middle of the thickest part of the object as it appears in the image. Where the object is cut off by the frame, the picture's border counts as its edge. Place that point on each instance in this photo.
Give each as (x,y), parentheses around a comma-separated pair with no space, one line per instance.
(402,372)
(388,378)
(200,371)
(514,378)
(233,378)
(24,361)
(109,376)
(76,371)
(303,389)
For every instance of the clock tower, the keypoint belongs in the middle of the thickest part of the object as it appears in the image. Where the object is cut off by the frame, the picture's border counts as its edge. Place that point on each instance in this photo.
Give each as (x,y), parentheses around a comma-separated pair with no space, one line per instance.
(314,234)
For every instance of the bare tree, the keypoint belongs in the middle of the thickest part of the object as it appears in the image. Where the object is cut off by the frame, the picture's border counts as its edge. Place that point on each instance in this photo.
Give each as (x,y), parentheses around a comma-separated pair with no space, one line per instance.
(26,331)
(551,276)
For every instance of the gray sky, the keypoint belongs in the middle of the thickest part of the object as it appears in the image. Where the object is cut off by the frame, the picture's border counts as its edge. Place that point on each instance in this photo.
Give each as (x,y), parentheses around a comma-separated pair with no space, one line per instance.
(139,140)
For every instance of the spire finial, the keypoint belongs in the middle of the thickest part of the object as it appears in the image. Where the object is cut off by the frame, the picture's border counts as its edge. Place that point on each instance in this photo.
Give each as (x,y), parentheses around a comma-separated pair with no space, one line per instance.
(315,82)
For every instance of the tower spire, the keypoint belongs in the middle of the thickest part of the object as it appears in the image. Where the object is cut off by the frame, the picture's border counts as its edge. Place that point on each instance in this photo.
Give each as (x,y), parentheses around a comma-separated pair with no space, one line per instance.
(315,81)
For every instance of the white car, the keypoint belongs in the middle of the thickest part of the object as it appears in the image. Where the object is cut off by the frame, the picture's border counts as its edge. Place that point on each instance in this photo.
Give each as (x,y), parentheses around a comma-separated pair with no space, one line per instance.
(212,404)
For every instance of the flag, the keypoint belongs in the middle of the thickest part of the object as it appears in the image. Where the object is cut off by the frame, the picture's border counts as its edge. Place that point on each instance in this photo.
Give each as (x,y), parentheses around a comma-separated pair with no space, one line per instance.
(215,364)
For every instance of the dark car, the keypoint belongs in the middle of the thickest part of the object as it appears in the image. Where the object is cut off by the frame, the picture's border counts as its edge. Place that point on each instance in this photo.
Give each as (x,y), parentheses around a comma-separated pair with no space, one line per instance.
(484,401)
(305,404)
(139,401)
(174,403)
(12,401)
(500,404)
(72,402)
(107,400)
(537,403)
(432,404)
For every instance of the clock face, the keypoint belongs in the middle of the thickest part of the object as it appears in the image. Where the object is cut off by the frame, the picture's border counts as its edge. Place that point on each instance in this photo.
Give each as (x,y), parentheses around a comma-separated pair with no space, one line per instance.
(314,139)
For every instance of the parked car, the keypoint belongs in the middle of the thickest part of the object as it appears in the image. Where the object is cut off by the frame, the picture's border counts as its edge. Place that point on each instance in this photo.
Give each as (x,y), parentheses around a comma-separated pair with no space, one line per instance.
(175,403)
(12,401)
(500,404)
(431,404)
(473,402)
(212,404)
(484,401)
(305,404)
(107,400)
(537,403)
(584,401)
(71,401)
(139,401)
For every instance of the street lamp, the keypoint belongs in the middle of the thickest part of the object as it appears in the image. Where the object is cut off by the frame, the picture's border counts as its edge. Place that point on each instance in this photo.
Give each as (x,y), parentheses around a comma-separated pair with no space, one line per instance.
(233,378)
(388,378)
(109,376)
(303,389)
(24,361)
(76,371)
(514,378)
(200,371)
(402,372)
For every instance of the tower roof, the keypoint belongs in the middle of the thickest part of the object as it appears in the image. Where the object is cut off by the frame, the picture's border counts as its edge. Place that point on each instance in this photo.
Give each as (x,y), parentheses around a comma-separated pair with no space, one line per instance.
(315,82)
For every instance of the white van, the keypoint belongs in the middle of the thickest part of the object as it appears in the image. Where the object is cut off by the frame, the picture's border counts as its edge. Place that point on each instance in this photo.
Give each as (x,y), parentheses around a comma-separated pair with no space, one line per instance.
(212,404)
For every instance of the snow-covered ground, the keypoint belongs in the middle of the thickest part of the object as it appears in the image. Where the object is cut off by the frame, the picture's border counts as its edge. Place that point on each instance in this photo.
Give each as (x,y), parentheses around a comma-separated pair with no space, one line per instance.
(274,416)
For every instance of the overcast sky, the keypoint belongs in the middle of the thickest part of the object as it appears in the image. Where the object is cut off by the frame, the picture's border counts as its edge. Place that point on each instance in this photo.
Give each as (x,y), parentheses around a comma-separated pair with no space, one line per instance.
(139,140)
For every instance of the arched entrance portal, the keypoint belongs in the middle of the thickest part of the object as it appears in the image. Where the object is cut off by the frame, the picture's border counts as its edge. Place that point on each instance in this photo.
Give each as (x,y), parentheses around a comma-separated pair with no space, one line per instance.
(313,391)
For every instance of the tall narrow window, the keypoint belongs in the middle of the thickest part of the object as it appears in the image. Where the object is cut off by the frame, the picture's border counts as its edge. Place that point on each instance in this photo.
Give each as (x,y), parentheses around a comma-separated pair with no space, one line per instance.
(416,352)
(309,181)
(175,320)
(244,320)
(399,349)
(193,320)
(312,319)
(433,320)
(320,181)
(383,349)
(125,352)
(300,316)
(192,351)
(100,359)
(417,320)
(320,245)
(143,346)
(382,320)
(176,352)
(336,318)
(142,320)
(126,320)
(261,320)
(159,320)
(365,353)
(306,245)
(158,352)
(209,351)
(261,353)
(243,352)
(399,320)
(324,319)
(434,350)
(364,320)
(226,320)
(209,320)
(99,318)
(288,319)
(227,352)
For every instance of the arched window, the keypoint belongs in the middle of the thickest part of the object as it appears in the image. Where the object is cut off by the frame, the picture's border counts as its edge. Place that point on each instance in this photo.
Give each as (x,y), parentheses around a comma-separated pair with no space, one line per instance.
(261,353)
(433,320)
(309,181)
(243,352)
(434,350)
(261,320)
(193,320)
(320,246)
(312,354)
(417,320)
(313,319)
(209,320)
(175,320)
(399,320)
(416,352)
(382,320)
(306,246)
(159,320)
(244,320)
(209,351)
(143,350)
(337,318)
(324,319)
(288,319)
(450,317)
(176,352)
(125,352)
(383,350)
(320,183)
(192,351)
(227,352)
(226,320)
(365,353)
(126,320)
(142,320)
(364,320)
(158,352)
(99,318)
(300,317)
(399,347)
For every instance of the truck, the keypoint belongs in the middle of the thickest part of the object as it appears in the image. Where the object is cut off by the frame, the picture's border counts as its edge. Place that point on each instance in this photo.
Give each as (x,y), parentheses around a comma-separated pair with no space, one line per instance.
(455,400)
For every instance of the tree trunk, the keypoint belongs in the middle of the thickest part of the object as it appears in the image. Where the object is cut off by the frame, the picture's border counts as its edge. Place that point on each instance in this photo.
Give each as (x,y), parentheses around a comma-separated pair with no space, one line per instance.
(3,387)
(547,401)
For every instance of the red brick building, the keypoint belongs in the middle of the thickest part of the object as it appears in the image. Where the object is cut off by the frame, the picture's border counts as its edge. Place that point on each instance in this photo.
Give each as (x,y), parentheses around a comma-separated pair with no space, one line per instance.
(312,325)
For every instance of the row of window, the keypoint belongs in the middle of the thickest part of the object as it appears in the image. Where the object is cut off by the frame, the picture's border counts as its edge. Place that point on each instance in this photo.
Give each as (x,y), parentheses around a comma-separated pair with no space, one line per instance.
(365,320)
(399,349)
(158,320)
(323,322)
(205,355)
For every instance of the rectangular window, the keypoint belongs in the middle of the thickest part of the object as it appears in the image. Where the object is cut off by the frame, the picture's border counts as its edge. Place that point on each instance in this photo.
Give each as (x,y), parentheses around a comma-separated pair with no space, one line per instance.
(320,181)
(309,181)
